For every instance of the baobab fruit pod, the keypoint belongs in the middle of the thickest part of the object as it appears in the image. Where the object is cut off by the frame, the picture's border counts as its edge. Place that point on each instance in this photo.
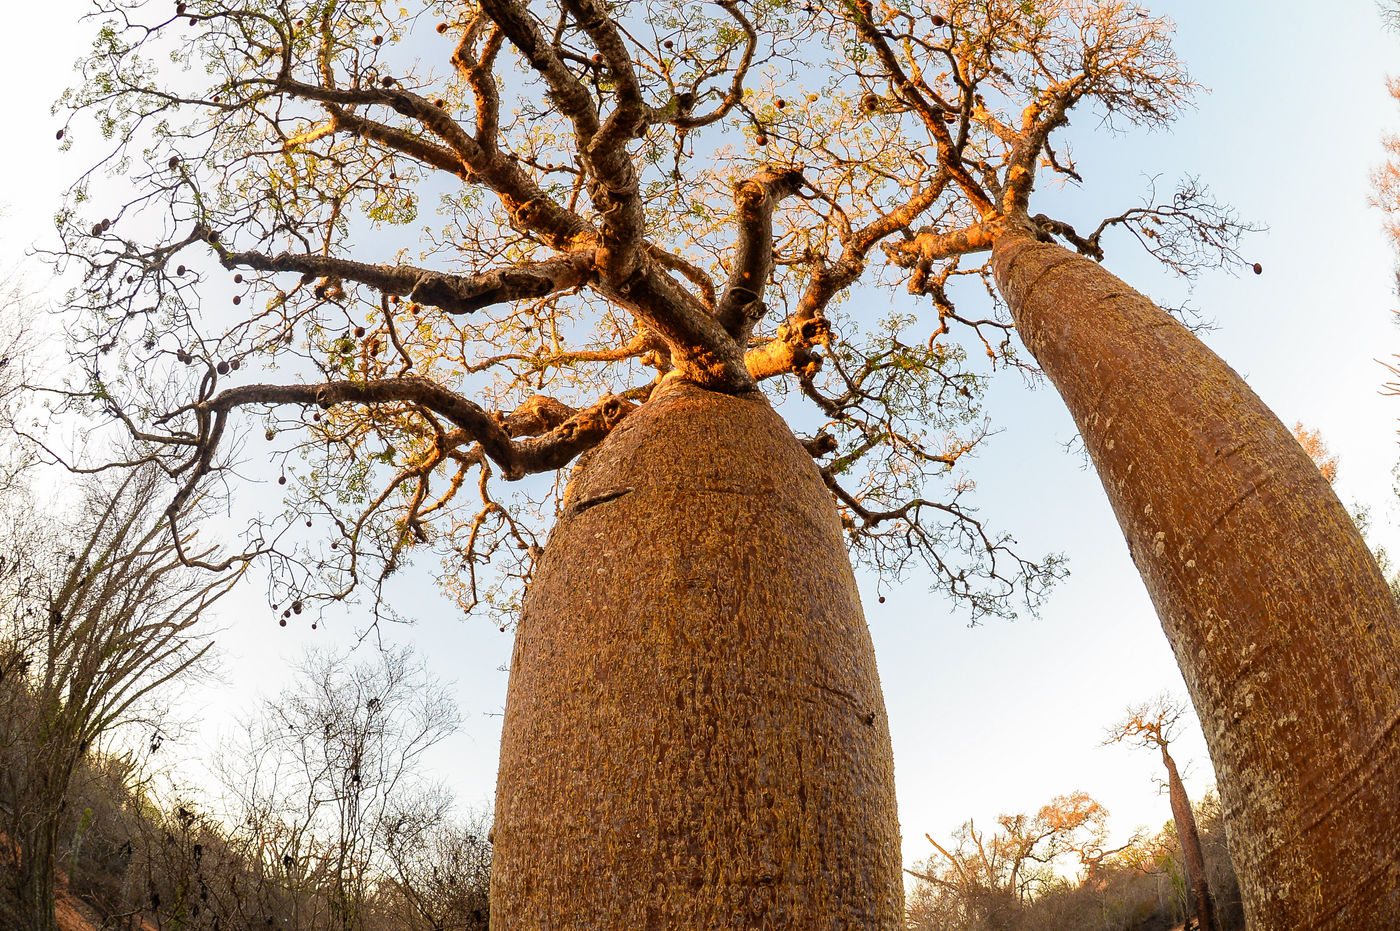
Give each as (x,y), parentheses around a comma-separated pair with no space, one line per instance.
(1258,269)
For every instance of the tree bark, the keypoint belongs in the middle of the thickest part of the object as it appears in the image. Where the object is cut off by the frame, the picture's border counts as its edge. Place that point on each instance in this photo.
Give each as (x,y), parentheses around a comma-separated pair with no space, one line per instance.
(695,735)
(1284,628)
(1190,838)
(37,877)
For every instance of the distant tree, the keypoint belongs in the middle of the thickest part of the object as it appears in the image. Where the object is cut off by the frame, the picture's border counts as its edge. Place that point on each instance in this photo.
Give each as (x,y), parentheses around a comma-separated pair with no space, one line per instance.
(1385,179)
(442,870)
(1316,447)
(328,793)
(1155,724)
(985,882)
(99,613)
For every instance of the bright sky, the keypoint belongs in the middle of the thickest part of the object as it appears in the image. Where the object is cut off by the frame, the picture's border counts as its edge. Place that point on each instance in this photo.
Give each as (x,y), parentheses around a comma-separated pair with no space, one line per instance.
(1003,716)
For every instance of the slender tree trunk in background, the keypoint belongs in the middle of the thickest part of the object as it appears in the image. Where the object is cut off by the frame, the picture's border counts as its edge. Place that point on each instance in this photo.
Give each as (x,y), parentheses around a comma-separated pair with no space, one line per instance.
(1285,631)
(695,735)
(36,878)
(1190,838)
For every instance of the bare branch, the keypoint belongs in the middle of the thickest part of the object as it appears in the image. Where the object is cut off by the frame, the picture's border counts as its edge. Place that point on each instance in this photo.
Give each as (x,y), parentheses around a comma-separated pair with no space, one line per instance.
(456,294)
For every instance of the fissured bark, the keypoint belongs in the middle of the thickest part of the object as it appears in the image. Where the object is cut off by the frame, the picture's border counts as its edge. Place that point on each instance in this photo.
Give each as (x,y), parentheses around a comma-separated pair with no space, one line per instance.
(1282,623)
(695,736)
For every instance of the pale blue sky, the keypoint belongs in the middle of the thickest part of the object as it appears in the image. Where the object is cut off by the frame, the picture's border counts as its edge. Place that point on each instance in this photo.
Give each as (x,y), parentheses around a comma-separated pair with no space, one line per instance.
(1004,716)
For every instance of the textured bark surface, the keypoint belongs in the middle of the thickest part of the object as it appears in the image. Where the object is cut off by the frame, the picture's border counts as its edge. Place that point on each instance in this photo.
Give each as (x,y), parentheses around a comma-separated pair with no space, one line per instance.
(695,735)
(36,886)
(1282,624)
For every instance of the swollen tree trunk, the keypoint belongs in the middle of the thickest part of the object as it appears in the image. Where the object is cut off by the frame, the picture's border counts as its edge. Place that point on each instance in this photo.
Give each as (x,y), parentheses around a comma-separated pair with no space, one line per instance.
(694,734)
(1190,838)
(1285,631)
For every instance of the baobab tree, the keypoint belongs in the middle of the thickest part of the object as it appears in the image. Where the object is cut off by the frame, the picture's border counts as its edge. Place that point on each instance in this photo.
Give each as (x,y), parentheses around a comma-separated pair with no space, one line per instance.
(650,219)
(1154,725)
(1281,621)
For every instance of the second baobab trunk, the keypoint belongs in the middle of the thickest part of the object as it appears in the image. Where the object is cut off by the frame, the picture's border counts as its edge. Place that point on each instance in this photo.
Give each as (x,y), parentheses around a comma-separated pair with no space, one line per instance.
(695,735)
(1284,628)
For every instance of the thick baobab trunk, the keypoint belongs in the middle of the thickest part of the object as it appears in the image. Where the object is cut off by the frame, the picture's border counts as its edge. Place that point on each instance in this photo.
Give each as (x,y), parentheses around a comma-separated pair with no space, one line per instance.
(1190,838)
(695,735)
(1284,628)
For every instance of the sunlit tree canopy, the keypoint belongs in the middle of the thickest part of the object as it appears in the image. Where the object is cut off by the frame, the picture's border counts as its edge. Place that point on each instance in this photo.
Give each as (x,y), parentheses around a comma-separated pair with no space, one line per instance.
(462,242)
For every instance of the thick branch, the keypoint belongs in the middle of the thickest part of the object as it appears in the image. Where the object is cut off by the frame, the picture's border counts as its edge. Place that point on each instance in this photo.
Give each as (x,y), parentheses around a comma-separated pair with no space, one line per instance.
(543,453)
(1038,121)
(565,89)
(700,348)
(416,147)
(613,183)
(477,72)
(529,207)
(456,294)
(790,350)
(740,307)
(932,245)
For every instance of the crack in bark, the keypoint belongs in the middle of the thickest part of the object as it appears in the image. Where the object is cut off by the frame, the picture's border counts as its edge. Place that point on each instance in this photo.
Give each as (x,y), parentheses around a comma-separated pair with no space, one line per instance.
(603,498)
